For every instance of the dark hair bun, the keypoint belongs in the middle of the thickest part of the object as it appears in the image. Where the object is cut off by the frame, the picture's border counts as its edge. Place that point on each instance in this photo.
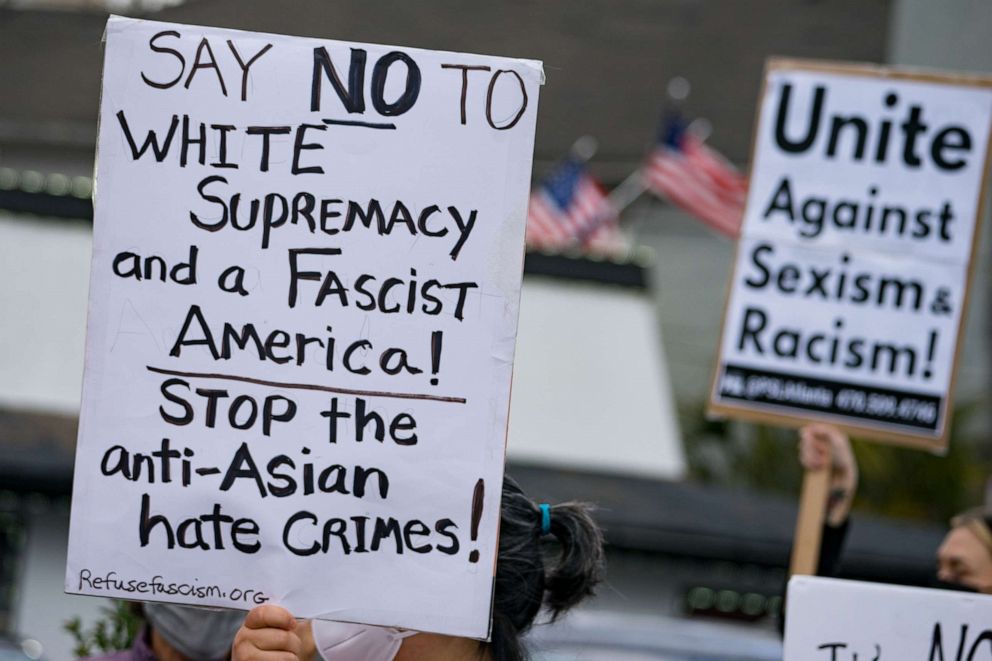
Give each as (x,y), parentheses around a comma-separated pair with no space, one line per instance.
(556,570)
(581,563)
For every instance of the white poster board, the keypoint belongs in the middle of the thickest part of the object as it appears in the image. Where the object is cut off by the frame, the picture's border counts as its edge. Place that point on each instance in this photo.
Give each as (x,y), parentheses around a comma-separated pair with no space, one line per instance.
(303,398)
(837,620)
(852,269)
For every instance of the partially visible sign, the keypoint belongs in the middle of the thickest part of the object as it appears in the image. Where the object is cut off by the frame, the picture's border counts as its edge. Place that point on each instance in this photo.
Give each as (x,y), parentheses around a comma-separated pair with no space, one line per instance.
(852,270)
(306,274)
(828,619)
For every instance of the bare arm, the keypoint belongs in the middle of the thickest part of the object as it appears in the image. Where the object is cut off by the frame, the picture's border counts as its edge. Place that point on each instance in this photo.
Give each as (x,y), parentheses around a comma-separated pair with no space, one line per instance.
(825,446)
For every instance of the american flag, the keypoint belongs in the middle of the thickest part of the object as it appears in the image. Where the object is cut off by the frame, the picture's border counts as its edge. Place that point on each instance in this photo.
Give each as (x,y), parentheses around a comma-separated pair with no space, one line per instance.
(691,175)
(571,209)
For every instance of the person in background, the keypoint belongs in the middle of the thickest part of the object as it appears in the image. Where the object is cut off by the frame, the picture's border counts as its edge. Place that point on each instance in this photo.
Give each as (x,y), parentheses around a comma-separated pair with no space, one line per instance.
(964,558)
(181,633)
(526,581)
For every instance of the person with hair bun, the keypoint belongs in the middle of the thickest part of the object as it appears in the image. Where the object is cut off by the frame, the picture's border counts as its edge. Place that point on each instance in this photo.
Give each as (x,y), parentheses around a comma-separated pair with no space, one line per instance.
(549,556)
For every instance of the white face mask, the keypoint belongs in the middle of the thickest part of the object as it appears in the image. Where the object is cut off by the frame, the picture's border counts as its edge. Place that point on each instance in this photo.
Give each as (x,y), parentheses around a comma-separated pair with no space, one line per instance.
(338,641)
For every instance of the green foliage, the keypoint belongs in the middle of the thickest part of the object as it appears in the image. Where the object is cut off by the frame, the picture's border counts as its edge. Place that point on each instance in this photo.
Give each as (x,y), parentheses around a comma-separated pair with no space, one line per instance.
(911,483)
(114,631)
(895,481)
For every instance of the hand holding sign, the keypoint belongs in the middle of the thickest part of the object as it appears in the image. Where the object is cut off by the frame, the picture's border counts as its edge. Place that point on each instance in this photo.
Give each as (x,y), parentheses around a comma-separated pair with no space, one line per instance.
(825,446)
(270,633)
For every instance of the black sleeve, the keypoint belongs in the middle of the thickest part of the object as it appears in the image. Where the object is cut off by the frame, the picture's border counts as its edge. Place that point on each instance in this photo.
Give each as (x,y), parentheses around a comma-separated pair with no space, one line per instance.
(831,546)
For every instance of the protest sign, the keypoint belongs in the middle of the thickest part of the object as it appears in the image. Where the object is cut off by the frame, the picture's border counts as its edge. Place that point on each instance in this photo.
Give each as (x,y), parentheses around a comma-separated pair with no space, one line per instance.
(837,620)
(306,270)
(852,270)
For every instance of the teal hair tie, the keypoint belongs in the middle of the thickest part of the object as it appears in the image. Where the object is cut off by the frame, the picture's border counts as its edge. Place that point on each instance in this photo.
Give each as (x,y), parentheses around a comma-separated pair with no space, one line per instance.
(545,518)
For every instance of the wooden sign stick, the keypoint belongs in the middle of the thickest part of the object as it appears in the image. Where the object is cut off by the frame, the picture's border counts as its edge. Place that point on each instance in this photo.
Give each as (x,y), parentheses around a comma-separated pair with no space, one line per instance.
(809,523)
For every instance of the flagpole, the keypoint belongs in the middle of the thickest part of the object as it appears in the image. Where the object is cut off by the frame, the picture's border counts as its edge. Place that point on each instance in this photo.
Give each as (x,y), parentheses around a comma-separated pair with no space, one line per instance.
(621,197)
(627,191)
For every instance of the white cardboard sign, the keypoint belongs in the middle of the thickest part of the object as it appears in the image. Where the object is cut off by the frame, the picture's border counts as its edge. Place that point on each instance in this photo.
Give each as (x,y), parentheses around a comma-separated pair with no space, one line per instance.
(852,270)
(833,620)
(303,307)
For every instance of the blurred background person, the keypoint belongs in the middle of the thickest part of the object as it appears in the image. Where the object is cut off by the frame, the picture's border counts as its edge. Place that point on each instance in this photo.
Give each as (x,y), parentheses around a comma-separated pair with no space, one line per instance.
(964,557)
(180,633)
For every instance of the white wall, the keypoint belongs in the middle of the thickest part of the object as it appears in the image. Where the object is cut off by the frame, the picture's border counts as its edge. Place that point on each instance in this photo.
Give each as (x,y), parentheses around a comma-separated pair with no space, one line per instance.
(44,281)
(590,384)
(41,607)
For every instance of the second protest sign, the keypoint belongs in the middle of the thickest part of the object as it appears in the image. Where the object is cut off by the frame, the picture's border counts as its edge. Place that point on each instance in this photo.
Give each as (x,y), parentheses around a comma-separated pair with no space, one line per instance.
(828,619)
(852,270)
